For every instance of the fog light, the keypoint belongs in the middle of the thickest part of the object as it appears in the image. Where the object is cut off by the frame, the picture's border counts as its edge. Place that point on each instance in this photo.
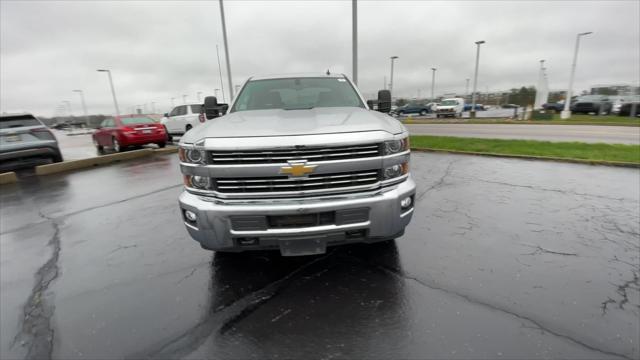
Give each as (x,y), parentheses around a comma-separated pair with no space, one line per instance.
(406,202)
(190,215)
(200,182)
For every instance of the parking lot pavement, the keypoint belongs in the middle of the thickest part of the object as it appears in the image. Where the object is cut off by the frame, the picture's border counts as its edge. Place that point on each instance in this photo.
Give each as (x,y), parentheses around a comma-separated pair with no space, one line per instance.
(581,133)
(504,258)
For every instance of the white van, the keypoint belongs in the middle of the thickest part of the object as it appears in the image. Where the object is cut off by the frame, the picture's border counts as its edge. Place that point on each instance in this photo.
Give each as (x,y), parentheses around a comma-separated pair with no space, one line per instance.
(452,107)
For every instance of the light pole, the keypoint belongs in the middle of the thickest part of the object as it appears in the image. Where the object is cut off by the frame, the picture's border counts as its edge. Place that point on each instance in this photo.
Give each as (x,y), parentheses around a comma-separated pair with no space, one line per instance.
(84,105)
(466,89)
(113,90)
(393,58)
(354,41)
(198,94)
(68,103)
(433,83)
(220,71)
(475,80)
(226,50)
(566,113)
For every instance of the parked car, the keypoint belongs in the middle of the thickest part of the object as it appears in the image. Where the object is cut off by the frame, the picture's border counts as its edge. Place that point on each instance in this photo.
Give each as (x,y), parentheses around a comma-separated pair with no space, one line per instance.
(299,165)
(556,106)
(479,107)
(586,104)
(413,108)
(627,108)
(618,101)
(452,107)
(26,141)
(185,117)
(120,132)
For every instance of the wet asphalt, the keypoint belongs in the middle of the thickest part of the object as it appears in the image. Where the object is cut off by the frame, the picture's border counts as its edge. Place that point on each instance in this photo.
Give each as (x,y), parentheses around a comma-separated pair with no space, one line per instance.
(504,258)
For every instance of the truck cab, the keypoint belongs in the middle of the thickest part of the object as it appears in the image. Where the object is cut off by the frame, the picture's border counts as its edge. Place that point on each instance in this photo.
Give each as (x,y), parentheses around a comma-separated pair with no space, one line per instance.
(452,107)
(299,163)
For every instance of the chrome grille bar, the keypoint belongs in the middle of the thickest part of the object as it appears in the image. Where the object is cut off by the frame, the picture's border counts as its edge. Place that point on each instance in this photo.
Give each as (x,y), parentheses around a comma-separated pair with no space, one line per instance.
(284,155)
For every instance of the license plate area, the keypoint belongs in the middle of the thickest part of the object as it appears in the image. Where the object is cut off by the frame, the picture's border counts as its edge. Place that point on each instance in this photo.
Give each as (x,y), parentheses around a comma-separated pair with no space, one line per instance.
(301,246)
(146,131)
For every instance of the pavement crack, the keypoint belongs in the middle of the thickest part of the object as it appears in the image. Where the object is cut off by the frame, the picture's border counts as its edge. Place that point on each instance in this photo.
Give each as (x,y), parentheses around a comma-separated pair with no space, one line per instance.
(224,318)
(536,324)
(122,247)
(37,332)
(540,250)
(437,184)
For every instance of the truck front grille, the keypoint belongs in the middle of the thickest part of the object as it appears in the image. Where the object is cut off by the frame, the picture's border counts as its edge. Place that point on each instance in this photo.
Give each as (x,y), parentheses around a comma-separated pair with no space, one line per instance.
(284,183)
(282,155)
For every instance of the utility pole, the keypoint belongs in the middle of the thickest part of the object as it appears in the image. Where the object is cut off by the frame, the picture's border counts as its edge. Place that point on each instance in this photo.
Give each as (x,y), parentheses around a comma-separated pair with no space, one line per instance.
(566,113)
(475,80)
(226,50)
(466,89)
(354,34)
(393,58)
(84,105)
(113,91)
(433,83)
(220,71)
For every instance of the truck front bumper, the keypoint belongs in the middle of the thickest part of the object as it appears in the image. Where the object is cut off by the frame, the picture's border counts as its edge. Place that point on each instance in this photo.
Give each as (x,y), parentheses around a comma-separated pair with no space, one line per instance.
(250,224)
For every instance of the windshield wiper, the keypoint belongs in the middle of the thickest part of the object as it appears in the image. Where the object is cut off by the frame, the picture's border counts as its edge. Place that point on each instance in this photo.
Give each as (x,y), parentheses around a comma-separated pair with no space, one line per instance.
(299,108)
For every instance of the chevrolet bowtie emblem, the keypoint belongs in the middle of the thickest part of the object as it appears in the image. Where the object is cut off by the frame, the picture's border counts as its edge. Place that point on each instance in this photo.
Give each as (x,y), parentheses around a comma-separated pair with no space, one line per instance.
(297,169)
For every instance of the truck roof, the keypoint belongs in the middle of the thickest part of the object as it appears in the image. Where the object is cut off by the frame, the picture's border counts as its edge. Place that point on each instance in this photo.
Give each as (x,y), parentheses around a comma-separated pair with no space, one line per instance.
(297,75)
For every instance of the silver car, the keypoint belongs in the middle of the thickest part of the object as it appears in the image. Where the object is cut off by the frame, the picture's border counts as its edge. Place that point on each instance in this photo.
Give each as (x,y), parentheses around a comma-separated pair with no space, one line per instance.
(26,141)
(298,164)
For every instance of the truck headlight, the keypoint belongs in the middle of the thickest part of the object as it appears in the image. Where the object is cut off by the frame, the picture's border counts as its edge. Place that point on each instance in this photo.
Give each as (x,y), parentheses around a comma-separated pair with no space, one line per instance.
(396,146)
(194,156)
(396,170)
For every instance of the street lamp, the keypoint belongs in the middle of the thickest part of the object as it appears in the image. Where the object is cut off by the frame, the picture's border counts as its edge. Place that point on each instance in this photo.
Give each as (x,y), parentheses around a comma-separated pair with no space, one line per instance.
(393,58)
(566,113)
(226,50)
(84,106)
(68,103)
(466,89)
(354,40)
(113,91)
(220,71)
(475,80)
(433,82)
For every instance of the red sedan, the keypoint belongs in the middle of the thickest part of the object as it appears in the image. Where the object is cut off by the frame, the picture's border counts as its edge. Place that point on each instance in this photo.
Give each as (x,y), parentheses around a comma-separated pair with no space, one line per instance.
(128,130)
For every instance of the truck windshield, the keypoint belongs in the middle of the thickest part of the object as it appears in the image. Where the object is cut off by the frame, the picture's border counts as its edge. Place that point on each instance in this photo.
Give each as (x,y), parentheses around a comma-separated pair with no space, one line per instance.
(296,94)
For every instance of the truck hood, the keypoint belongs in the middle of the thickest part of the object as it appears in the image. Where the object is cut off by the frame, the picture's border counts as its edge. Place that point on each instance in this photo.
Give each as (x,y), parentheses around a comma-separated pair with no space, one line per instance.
(278,122)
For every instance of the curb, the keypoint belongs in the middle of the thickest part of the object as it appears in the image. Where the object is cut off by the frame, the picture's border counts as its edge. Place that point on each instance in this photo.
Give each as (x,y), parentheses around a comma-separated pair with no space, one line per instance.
(533,157)
(8,178)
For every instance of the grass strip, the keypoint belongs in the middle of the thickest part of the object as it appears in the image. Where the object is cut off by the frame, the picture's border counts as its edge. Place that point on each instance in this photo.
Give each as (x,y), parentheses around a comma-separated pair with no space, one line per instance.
(598,152)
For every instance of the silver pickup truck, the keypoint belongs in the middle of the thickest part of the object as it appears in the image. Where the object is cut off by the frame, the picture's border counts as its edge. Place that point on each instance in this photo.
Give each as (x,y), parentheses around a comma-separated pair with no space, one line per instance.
(298,163)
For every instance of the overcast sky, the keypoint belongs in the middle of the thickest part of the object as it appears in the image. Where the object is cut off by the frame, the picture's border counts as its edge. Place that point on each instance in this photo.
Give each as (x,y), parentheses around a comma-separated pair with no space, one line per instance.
(158,50)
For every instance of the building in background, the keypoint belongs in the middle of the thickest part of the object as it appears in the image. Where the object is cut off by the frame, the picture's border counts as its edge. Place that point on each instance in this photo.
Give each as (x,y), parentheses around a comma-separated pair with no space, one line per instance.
(615,89)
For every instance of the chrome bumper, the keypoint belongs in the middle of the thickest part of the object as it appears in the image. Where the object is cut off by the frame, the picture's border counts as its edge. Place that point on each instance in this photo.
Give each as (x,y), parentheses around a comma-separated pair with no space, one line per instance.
(213,226)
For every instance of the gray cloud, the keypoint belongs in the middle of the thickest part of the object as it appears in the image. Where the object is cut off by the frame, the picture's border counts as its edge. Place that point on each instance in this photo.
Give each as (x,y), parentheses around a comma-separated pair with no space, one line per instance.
(158,50)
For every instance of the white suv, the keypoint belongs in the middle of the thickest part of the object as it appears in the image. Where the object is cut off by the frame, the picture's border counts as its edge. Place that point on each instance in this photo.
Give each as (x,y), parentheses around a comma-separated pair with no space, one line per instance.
(182,118)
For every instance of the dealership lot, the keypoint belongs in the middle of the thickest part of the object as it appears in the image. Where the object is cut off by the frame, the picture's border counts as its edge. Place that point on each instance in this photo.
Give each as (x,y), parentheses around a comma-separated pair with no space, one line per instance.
(504,258)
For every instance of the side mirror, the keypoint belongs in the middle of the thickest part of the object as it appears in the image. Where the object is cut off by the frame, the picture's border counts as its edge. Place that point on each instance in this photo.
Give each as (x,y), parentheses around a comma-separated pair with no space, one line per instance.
(211,107)
(384,101)
(166,114)
(372,104)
